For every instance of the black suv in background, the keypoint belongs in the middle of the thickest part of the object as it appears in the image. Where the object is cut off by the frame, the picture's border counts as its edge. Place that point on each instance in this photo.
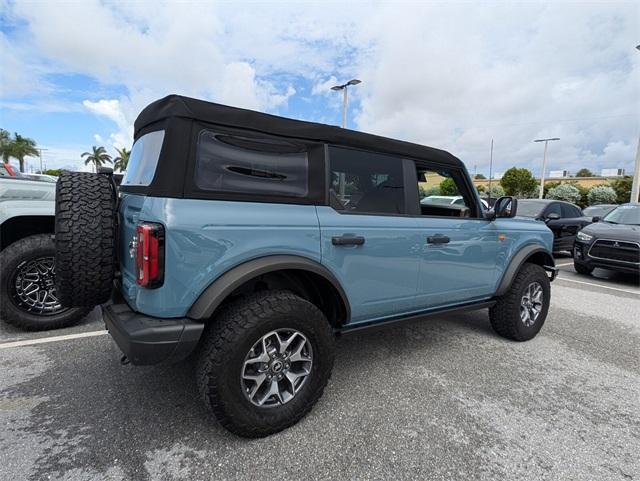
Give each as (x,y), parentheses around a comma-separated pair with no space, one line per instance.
(613,243)
(563,218)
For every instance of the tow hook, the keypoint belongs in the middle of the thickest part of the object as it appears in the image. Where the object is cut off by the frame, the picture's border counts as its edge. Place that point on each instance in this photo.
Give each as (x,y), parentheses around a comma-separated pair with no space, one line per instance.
(124,360)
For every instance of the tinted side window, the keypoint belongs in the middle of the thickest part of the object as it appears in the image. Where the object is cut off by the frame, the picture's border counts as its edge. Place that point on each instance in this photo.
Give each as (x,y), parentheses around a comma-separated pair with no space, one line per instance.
(442,192)
(553,208)
(267,166)
(570,211)
(365,182)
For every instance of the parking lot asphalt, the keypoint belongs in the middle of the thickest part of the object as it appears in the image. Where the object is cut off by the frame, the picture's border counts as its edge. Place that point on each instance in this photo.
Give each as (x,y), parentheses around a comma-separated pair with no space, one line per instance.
(437,399)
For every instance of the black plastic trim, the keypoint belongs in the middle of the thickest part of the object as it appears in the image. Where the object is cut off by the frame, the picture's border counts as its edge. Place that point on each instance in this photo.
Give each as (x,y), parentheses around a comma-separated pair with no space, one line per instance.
(517,261)
(148,340)
(213,295)
(473,306)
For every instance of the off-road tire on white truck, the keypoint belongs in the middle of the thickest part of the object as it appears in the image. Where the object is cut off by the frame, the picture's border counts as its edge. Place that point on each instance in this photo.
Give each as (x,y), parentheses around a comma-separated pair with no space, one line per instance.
(28,298)
(520,313)
(243,332)
(85,228)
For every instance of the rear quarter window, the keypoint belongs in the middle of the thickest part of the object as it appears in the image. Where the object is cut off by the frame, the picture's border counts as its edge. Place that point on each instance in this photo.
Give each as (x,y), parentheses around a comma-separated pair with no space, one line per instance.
(263,166)
(143,159)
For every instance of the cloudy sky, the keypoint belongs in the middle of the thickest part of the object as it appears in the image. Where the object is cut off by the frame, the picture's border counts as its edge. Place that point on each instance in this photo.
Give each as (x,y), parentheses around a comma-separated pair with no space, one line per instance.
(451,75)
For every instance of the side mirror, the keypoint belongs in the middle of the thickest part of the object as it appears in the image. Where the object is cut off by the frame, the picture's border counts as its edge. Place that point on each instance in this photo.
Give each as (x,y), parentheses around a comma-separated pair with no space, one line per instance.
(595,218)
(503,207)
(552,216)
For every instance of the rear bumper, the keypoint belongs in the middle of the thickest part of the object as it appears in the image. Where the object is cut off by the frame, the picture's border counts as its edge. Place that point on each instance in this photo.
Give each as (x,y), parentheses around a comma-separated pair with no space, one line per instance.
(148,340)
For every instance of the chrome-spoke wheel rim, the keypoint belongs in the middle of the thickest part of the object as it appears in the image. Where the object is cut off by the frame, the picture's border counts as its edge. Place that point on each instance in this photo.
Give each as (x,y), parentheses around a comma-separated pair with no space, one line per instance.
(531,304)
(276,368)
(33,287)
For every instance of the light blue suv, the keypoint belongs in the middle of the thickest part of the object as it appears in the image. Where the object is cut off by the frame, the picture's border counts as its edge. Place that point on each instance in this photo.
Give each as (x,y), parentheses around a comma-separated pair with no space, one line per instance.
(251,241)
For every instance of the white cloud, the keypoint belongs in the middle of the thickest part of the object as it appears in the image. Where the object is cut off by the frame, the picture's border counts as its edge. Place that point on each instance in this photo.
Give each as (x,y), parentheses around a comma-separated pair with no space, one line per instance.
(452,75)
(457,76)
(323,87)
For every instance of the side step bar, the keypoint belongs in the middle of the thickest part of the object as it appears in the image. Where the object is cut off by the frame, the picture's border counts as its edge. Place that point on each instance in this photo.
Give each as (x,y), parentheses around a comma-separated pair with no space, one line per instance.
(412,317)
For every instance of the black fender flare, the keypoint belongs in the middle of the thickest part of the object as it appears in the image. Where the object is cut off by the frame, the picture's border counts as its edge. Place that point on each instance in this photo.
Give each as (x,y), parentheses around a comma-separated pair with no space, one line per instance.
(218,290)
(520,258)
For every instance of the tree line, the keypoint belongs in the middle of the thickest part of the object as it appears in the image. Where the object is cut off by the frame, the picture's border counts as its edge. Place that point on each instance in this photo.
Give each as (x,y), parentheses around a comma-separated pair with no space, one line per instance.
(19,147)
(520,182)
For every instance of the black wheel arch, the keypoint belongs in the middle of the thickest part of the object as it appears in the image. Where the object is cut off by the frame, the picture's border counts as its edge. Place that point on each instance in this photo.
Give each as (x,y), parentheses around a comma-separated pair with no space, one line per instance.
(533,253)
(310,279)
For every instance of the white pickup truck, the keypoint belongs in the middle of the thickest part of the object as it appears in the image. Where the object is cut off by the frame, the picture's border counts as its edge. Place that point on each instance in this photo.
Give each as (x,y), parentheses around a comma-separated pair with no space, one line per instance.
(27,289)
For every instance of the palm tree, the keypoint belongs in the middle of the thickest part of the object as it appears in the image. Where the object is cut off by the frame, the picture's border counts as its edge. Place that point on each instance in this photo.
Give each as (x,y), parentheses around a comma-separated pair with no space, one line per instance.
(5,145)
(122,160)
(22,147)
(98,157)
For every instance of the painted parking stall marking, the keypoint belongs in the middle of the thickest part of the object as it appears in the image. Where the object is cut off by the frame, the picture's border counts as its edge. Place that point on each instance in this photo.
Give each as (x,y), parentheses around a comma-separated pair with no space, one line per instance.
(45,340)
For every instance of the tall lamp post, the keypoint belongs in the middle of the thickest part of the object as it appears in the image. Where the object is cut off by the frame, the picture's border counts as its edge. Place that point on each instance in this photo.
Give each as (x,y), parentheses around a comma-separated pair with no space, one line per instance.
(544,162)
(41,161)
(345,101)
(635,184)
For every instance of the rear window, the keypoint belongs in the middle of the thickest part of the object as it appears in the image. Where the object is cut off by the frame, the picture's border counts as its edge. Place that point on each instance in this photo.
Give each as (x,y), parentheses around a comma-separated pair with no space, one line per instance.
(236,164)
(144,159)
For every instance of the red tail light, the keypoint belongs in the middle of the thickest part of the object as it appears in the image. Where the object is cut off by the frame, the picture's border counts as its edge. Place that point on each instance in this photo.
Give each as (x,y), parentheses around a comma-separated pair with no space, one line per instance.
(150,255)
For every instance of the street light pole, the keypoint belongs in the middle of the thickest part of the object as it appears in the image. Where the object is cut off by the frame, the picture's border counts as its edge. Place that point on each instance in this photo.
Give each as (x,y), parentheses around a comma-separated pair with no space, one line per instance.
(635,184)
(544,163)
(345,100)
(41,162)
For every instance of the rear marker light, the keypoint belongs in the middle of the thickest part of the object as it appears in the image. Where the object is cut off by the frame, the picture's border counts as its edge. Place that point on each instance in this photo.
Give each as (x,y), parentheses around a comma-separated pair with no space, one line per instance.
(150,255)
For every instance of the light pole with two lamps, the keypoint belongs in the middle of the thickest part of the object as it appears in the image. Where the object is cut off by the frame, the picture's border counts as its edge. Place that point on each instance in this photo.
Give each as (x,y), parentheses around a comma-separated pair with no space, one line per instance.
(345,101)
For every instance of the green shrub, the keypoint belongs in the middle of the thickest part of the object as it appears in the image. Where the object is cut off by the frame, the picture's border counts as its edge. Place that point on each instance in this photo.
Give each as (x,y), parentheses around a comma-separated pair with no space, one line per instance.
(448,187)
(566,192)
(623,189)
(602,194)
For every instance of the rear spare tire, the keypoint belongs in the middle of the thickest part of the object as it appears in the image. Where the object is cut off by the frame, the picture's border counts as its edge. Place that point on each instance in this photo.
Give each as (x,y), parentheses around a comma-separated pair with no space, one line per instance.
(85,238)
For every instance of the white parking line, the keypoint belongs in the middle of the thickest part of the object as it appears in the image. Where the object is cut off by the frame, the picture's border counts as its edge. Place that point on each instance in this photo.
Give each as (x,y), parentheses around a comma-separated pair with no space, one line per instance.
(44,340)
(562,265)
(598,285)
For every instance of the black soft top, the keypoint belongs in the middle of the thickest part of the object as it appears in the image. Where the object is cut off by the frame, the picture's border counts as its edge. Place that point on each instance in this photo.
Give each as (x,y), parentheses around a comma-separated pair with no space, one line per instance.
(176,106)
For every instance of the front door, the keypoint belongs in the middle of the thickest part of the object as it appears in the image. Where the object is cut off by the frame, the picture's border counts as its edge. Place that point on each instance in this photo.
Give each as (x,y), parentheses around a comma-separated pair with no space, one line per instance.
(458,247)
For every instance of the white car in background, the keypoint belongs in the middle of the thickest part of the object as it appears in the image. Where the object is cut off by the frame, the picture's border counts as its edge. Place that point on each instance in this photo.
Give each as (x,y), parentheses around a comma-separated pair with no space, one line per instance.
(27,290)
(448,200)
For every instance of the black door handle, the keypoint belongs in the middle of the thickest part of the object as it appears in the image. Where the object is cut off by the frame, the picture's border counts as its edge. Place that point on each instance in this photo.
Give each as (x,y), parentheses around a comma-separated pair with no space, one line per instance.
(438,239)
(347,240)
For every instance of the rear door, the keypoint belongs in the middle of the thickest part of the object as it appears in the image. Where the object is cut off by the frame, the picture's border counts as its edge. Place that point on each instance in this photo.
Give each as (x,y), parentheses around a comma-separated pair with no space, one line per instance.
(367,239)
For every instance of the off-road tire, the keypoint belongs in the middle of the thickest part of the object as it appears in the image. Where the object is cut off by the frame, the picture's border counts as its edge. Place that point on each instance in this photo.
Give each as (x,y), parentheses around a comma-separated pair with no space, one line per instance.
(85,228)
(228,339)
(505,314)
(11,309)
(582,269)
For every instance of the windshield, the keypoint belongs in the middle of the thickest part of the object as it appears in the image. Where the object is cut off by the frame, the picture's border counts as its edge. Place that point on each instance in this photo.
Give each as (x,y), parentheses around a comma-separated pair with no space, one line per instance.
(530,208)
(624,214)
(598,210)
(144,159)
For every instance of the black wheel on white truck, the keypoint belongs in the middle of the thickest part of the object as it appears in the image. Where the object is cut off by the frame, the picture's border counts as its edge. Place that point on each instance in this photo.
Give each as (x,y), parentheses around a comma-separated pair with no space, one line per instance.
(28,297)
